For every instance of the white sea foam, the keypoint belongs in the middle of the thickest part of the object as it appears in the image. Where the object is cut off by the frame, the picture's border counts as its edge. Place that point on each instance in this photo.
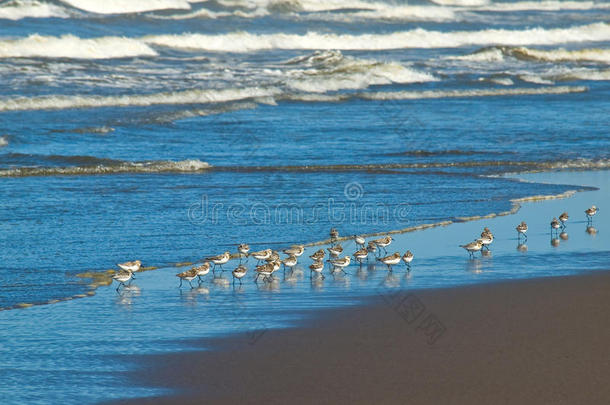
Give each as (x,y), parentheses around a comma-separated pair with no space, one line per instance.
(548,5)
(461,3)
(563,55)
(18,9)
(183,97)
(3,141)
(499,53)
(417,38)
(407,95)
(504,81)
(163,166)
(331,71)
(70,46)
(562,74)
(532,78)
(127,6)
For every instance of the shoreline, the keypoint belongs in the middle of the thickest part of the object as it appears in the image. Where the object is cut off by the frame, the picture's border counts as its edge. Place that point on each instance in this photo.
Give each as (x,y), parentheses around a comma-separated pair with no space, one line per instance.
(540,340)
(103,278)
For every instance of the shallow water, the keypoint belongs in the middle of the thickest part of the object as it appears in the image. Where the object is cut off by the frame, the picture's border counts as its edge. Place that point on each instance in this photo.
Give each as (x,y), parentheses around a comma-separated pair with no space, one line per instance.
(74,340)
(172,134)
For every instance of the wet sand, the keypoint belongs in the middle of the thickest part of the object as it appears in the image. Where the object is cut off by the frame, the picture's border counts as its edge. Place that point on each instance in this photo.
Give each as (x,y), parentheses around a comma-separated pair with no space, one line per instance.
(536,341)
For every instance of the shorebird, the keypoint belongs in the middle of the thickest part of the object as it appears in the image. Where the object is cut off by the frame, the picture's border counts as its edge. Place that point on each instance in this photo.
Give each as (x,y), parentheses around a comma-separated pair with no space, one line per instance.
(590,212)
(341,263)
(361,254)
(131,266)
(219,260)
(390,260)
(521,230)
(555,225)
(264,270)
(383,242)
(188,275)
(336,250)
(408,258)
(273,257)
(318,256)
(371,247)
(239,273)
(473,247)
(261,255)
(486,238)
(334,235)
(122,276)
(202,270)
(360,241)
(316,266)
(243,250)
(290,261)
(564,218)
(296,250)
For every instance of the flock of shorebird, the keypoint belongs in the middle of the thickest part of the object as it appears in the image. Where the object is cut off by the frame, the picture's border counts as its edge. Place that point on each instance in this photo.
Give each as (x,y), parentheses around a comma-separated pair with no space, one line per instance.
(487,237)
(269,261)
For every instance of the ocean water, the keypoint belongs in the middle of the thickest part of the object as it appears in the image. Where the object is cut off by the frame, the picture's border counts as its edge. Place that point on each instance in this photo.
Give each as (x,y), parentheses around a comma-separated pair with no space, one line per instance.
(171,130)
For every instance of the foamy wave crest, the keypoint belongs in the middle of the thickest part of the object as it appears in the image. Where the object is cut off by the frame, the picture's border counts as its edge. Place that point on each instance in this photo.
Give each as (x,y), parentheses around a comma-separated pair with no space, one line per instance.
(581,74)
(549,5)
(407,95)
(499,53)
(70,46)
(389,12)
(18,9)
(417,38)
(127,6)
(183,97)
(461,3)
(3,141)
(331,71)
(163,166)
(561,55)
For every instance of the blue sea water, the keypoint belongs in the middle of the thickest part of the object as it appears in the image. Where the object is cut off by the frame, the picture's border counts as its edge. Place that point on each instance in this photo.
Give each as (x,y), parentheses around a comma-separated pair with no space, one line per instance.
(171,133)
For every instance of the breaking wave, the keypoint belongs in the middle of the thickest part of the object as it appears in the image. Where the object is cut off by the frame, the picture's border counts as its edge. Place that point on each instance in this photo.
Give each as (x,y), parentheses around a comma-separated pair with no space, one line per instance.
(324,71)
(70,46)
(406,95)
(499,53)
(107,166)
(58,102)
(416,38)
(18,9)
(127,6)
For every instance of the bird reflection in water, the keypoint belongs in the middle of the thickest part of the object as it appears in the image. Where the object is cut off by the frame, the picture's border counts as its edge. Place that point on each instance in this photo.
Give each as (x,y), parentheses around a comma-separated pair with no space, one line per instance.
(554,242)
(125,296)
(521,247)
(474,266)
(591,230)
(564,236)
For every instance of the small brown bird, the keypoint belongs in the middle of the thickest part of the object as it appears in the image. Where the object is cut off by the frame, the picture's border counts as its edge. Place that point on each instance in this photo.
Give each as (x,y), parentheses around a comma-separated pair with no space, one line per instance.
(408,258)
(239,273)
(564,218)
(188,275)
(318,256)
(334,235)
(521,230)
(336,250)
(390,260)
(590,212)
(361,254)
(318,267)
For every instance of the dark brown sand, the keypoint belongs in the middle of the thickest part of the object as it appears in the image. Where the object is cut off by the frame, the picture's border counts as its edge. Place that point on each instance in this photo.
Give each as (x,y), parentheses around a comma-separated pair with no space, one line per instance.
(544,341)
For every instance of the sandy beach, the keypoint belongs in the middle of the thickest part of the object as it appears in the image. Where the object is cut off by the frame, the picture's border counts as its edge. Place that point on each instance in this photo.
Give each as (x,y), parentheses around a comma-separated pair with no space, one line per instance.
(523,342)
